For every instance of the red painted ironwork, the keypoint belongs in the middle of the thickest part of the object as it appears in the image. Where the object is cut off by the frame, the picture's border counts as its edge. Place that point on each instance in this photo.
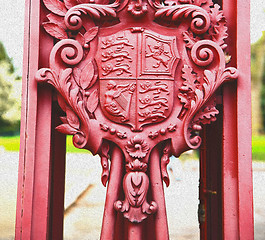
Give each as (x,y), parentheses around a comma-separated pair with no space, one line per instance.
(136,81)
(237,164)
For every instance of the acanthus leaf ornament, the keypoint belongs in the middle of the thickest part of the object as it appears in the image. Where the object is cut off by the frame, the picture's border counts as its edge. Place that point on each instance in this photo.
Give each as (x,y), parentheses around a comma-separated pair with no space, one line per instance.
(135,184)
(92,101)
(218,29)
(90,34)
(73,18)
(139,86)
(71,3)
(55,30)
(200,22)
(56,7)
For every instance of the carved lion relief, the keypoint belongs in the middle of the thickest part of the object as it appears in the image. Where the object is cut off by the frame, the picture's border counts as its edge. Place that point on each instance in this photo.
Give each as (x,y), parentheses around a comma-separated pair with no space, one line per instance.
(136,74)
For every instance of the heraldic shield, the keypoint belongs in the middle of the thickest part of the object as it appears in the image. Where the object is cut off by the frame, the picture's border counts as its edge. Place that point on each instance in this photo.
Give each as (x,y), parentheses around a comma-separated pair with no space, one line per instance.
(136,80)
(136,75)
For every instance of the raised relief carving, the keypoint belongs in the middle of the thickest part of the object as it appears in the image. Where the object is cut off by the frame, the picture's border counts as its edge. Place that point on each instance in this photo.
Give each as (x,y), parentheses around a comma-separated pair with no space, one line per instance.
(164,162)
(104,155)
(137,147)
(137,8)
(158,53)
(148,98)
(172,12)
(163,131)
(116,104)
(141,86)
(135,185)
(154,101)
(161,54)
(116,58)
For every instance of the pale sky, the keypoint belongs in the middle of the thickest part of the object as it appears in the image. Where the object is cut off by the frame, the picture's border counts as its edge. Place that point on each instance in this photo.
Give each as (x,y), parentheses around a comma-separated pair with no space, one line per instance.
(12,23)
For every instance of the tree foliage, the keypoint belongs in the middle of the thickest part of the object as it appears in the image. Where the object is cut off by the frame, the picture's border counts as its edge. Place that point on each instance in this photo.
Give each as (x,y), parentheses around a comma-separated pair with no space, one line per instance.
(4,58)
(9,95)
(263,89)
(258,84)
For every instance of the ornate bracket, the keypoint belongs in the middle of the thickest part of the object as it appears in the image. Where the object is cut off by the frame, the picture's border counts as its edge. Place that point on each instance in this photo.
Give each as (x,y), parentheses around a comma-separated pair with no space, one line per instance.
(137,74)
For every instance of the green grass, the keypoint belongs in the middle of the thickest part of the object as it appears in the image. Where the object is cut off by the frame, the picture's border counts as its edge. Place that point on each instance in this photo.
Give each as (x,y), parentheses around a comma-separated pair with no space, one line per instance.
(71,148)
(12,144)
(258,148)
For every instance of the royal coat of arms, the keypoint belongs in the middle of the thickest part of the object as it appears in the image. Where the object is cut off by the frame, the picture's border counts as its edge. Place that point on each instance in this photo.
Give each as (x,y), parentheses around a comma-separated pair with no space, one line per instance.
(136,74)
(136,80)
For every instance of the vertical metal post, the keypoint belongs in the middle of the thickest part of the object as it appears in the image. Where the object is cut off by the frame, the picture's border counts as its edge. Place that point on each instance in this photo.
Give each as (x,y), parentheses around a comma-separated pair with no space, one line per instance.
(237,163)
(35,184)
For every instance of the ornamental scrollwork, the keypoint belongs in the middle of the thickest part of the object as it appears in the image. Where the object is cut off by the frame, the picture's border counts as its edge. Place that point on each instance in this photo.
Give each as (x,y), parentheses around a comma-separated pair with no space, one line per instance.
(140,75)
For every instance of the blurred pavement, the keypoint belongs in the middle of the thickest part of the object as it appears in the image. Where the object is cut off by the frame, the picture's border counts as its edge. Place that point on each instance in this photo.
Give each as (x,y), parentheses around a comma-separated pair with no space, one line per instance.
(83,221)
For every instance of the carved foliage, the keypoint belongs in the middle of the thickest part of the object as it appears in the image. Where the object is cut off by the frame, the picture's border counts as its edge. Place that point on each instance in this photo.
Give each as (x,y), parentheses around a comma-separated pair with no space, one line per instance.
(56,7)
(135,185)
(201,3)
(195,98)
(205,49)
(217,30)
(112,131)
(163,131)
(75,86)
(173,12)
(66,18)
(73,20)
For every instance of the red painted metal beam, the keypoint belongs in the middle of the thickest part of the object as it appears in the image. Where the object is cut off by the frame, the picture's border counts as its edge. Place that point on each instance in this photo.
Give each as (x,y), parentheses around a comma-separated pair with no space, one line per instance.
(28,124)
(35,167)
(245,188)
(237,164)
(58,144)
(161,229)
(116,173)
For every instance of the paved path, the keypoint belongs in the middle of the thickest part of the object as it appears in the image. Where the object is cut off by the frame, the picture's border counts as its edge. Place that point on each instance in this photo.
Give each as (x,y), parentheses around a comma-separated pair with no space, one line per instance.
(83,222)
